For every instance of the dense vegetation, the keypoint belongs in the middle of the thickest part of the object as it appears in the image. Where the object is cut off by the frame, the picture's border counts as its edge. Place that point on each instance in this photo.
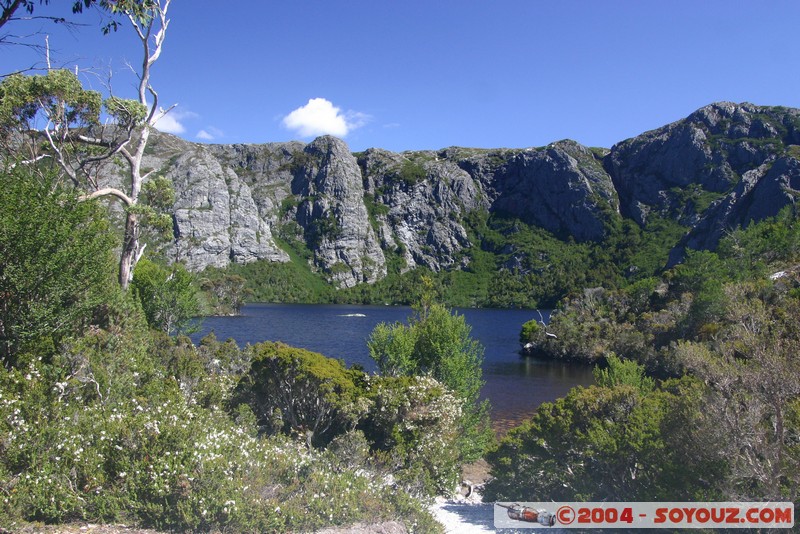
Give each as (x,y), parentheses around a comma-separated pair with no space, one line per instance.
(510,265)
(104,418)
(437,343)
(722,422)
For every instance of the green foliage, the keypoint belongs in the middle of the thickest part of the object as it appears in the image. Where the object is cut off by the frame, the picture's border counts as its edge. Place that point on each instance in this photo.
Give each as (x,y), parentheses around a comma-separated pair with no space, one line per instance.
(154,214)
(410,173)
(584,326)
(167,295)
(445,349)
(438,343)
(693,199)
(644,251)
(225,293)
(206,374)
(104,420)
(622,373)
(510,264)
(291,282)
(58,95)
(698,270)
(125,426)
(614,443)
(768,244)
(717,317)
(532,332)
(145,455)
(414,422)
(392,347)
(317,398)
(55,262)
(753,371)
(128,113)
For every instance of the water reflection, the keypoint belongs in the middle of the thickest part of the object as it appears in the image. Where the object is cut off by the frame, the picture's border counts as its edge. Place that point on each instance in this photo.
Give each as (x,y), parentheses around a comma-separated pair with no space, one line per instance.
(517,388)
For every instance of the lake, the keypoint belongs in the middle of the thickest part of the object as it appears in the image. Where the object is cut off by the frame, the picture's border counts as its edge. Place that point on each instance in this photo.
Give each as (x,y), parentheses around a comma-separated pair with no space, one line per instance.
(514,385)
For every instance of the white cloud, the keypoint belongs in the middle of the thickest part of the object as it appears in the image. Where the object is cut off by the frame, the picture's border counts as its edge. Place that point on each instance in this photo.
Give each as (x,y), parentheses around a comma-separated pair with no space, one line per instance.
(172,122)
(209,133)
(320,117)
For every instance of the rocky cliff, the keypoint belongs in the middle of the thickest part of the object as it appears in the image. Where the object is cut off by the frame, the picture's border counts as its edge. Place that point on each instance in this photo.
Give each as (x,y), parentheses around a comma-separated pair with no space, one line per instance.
(724,165)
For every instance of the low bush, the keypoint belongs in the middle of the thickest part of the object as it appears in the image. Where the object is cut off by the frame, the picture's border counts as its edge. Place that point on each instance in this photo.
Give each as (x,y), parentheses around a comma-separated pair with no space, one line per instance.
(413,424)
(135,446)
(317,397)
(438,343)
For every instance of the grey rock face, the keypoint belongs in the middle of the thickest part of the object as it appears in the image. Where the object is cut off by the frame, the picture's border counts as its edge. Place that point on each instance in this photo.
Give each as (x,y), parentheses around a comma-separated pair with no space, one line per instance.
(425,200)
(724,165)
(711,149)
(761,194)
(647,169)
(562,188)
(216,220)
(333,214)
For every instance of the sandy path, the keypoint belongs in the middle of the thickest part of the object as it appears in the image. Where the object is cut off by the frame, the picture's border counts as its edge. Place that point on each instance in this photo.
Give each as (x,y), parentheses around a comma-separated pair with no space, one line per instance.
(463,517)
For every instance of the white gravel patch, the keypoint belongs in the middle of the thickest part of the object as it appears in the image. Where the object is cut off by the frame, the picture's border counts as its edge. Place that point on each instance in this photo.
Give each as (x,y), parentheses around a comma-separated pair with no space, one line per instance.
(463,517)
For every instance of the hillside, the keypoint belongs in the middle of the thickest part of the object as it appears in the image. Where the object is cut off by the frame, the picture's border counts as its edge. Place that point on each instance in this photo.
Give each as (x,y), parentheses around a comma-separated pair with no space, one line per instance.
(354,218)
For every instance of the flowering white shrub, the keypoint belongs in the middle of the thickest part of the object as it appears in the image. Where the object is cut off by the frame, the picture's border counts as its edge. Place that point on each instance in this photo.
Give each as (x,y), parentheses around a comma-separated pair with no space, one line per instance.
(414,422)
(141,451)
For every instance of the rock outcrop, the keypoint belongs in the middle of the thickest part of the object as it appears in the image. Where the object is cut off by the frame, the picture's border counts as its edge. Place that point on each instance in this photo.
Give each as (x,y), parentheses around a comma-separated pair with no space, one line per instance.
(723,166)
(562,188)
(708,152)
(333,215)
(424,199)
(216,220)
(761,194)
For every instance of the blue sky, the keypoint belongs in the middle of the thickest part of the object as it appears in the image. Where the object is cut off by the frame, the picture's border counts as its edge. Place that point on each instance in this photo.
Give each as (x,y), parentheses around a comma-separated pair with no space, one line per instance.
(409,75)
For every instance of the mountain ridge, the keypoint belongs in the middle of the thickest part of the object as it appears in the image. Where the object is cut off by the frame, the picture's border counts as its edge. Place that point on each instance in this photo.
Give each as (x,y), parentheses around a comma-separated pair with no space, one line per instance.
(722,166)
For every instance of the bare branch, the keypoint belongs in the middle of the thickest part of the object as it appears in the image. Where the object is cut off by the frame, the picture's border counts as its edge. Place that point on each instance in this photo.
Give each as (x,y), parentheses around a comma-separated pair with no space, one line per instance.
(109,191)
(8,12)
(30,161)
(62,162)
(161,113)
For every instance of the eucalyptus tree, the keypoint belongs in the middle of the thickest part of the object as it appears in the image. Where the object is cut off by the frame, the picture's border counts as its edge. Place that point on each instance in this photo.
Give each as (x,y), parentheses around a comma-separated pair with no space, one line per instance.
(51,117)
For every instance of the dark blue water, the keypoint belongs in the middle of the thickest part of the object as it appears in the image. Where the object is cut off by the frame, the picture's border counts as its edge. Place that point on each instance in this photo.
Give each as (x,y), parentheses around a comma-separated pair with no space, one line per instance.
(514,385)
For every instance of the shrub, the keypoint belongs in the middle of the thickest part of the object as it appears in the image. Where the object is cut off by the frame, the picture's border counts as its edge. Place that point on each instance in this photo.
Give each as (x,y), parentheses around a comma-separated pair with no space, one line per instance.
(55,262)
(532,338)
(438,343)
(606,443)
(226,293)
(167,295)
(619,372)
(317,397)
(415,422)
(126,444)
